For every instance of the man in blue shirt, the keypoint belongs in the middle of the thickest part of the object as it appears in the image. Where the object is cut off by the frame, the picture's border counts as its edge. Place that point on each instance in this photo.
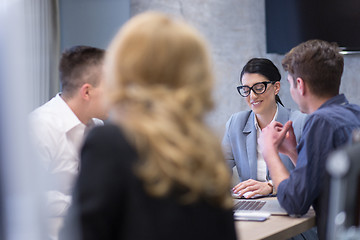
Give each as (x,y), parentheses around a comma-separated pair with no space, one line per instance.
(314,74)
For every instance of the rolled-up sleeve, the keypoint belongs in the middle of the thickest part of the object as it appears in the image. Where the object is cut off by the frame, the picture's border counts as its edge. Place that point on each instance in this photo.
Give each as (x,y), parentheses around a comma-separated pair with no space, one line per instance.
(297,193)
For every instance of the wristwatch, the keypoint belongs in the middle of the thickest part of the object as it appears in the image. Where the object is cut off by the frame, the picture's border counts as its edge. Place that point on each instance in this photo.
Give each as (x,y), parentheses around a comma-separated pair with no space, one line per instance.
(270,183)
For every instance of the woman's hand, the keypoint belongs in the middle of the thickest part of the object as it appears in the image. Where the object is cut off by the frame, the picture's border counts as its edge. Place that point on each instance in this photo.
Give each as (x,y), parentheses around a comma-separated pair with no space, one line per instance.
(254,187)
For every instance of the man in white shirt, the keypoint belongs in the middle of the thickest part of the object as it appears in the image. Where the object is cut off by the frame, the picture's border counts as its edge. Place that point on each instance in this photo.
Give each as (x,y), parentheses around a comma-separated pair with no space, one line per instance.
(58,126)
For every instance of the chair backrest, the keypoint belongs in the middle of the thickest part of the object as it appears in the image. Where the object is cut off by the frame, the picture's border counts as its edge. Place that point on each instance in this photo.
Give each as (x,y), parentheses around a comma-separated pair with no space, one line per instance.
(343,167)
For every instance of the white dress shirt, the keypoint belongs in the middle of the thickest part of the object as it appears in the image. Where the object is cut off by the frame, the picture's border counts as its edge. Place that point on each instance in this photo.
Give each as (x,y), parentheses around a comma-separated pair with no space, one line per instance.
(261,164)
(57,135)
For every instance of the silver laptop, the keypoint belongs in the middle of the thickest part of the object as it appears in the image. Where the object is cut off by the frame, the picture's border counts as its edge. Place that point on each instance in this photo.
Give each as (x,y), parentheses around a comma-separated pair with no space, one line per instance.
(269,205)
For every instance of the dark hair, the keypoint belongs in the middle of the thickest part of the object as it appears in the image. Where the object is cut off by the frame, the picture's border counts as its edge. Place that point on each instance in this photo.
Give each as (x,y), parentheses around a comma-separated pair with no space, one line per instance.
(264,67)
(76,63)
(319,64)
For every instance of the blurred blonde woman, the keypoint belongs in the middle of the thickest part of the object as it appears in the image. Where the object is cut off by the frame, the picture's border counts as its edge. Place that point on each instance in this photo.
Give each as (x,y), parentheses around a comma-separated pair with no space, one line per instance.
(156,171)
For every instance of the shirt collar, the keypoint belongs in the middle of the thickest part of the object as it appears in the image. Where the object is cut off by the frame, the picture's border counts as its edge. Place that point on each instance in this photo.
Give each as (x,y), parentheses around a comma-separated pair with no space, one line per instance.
(338,100)
(70,120)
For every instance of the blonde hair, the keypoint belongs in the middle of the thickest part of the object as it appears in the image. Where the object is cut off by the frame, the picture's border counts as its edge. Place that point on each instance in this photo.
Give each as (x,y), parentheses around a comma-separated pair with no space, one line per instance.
(159,86)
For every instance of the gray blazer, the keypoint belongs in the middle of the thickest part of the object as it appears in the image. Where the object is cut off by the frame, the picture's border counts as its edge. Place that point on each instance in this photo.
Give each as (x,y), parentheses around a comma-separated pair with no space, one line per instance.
(240,140)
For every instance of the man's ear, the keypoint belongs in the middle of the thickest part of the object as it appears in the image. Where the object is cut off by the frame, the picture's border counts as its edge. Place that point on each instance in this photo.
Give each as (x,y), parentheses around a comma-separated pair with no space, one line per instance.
(301,86)
(85,91)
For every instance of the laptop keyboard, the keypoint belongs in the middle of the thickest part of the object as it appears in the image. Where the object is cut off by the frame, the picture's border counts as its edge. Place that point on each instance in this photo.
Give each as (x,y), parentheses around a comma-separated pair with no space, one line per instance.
(249,205)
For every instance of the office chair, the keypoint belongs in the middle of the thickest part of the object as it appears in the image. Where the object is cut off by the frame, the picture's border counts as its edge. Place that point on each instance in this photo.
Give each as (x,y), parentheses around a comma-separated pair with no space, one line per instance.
(343,217)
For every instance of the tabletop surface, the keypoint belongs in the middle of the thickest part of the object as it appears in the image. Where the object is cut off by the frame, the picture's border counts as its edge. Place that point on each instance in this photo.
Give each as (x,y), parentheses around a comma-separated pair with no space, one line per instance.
(276,227)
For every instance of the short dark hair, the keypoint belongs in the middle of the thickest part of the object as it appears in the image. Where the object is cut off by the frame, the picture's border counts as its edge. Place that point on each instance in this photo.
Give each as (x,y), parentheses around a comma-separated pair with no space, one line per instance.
(319,64)
(75,63)
(264,67)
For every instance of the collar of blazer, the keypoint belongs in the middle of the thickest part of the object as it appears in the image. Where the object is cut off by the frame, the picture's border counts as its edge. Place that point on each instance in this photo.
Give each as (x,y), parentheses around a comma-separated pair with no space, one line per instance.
(282,117)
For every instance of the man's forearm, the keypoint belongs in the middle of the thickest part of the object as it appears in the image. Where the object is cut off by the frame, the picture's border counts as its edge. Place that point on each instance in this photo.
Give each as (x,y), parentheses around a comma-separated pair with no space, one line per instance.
(293,157)
(277,169)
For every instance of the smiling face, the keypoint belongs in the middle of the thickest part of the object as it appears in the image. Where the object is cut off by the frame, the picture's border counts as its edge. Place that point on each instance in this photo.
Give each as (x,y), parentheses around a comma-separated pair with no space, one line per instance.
(261,103)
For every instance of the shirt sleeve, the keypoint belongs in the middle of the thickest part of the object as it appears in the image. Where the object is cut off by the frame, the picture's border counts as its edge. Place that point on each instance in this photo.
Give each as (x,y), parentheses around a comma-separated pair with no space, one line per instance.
(57,203)
(44,143)
(297,193)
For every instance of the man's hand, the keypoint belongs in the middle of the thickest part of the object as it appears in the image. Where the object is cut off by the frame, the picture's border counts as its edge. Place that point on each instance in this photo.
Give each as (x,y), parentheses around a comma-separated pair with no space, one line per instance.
(270,141)
(288,145)
(272,136)
(253,186)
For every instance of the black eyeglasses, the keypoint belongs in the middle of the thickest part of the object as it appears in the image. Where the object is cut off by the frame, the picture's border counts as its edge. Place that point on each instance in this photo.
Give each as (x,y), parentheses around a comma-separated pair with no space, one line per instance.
(258,88)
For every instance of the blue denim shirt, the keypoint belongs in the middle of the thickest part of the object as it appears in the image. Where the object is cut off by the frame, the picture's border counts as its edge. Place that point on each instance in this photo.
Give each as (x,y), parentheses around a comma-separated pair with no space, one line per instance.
(327,129)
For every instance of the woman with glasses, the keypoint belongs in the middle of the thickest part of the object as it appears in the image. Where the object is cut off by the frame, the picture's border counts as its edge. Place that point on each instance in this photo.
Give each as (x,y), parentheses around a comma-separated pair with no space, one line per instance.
(260,85)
